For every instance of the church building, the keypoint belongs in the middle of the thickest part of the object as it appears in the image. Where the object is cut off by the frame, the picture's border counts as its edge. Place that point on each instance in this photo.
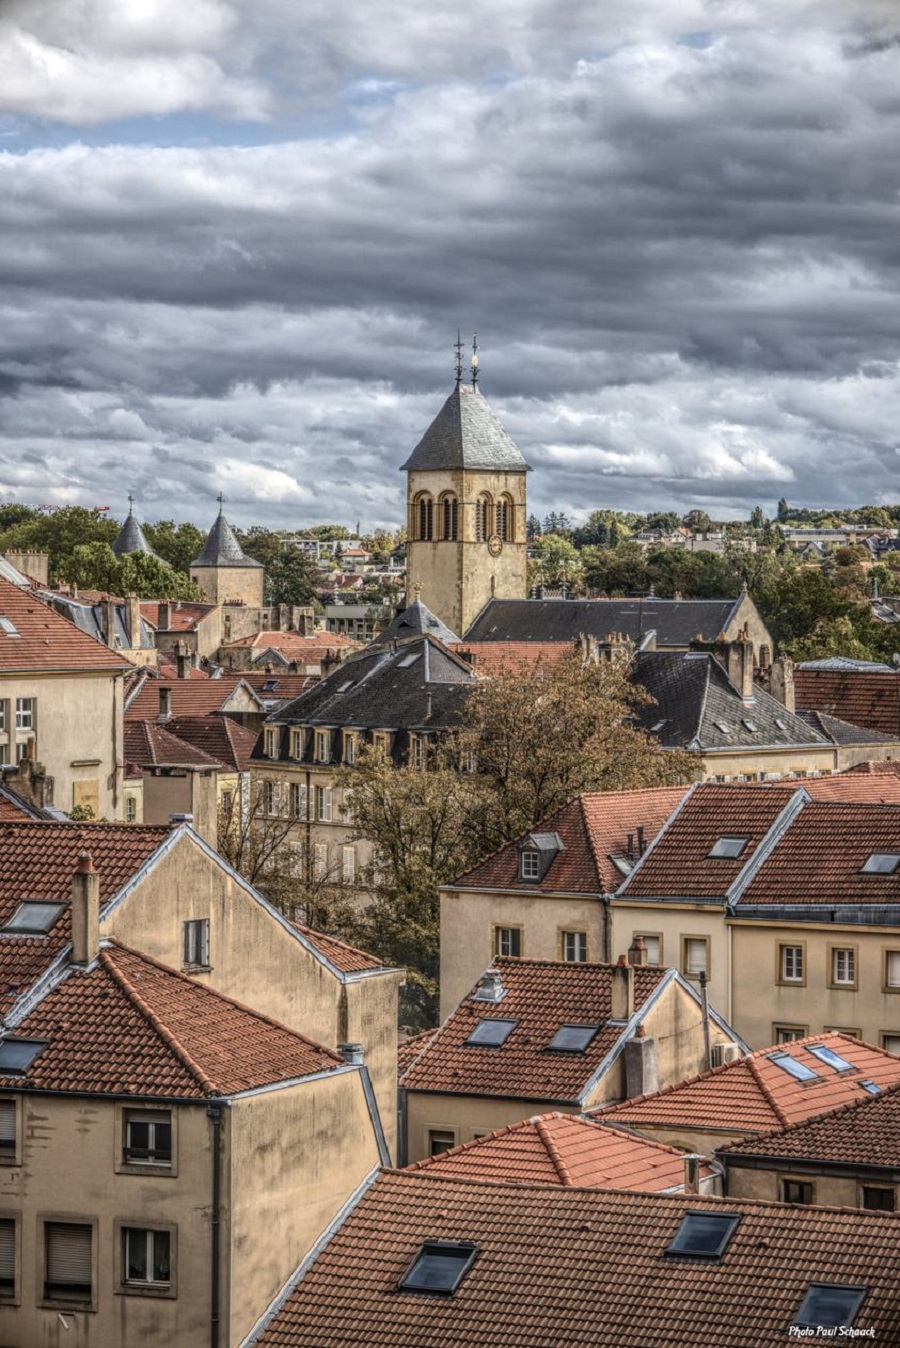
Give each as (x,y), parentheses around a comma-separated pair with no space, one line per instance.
(466,510)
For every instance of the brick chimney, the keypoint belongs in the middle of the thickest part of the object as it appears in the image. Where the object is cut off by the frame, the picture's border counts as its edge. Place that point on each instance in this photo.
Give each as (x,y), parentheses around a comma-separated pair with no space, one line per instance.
(108,621)
(641,1065)
(621,990)
(85,911)
(637,951)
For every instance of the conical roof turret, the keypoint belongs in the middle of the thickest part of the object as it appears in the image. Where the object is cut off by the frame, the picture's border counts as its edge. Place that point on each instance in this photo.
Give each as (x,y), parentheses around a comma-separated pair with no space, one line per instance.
(130,537)
(222,548)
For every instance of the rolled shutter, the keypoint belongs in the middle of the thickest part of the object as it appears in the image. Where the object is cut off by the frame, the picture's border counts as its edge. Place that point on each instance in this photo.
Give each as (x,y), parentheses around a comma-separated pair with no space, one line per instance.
(7,1125)
(7,1252)
(68,1255)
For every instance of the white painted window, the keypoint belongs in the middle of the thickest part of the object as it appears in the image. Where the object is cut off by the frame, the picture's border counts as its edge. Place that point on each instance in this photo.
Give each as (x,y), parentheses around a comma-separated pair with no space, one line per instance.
(792,963)
(348,865)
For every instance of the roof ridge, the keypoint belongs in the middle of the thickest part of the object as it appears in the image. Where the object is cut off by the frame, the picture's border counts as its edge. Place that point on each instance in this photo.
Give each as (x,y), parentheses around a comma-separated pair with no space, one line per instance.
(553,1151)
(773,1104)
(847,1107)
(150,1015)
(591,840)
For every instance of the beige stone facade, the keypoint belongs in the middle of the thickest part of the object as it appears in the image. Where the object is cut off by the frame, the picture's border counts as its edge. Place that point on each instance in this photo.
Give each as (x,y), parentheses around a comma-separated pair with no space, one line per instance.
(778,1181)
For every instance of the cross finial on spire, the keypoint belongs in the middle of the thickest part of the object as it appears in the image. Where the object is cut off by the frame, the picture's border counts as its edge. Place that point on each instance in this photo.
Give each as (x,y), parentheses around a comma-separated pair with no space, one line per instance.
(474,359)
(130,504)
(221,500)
(458,346)
(417,591)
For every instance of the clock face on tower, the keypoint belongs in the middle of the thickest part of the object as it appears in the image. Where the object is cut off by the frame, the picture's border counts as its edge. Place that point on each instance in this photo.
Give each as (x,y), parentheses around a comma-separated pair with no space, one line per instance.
(495,545)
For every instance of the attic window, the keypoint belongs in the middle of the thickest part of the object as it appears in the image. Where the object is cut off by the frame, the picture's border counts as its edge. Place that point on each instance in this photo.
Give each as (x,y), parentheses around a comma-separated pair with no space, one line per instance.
(572,1038)
(530,865)
(723,726)
(344,686)
(270,685)
(751,726)
(491,1033)
(704,1235)
(870,1087)
(828,1305)
(780,724)
(623,865)
(882,863)
(655,729)
(830,1058)
(32,918)
(17,1055)
(408,660)
(439,1267)
(728,847)
(798,1070)
(9,627)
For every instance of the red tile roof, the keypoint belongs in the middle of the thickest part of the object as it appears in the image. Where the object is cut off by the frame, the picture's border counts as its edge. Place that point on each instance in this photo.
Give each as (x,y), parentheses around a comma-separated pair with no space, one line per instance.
(679,862)
(594,827)
(313,646)
(13,809)
(512,657)
(39,860)
(184,616)
(564,1149)
(865,1132)
(188,697)
(150,745)
(218,736)
(346,958)
(562,1267)
(46,641)
(542,996)
(753,1095)
(287,686)
(131,1026)
(862,697)
(820,858)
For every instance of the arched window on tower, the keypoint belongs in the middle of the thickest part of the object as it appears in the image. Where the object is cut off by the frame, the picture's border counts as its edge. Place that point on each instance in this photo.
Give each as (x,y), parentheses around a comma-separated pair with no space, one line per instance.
(425,517)
(483,517)
(449,512)
(505,517)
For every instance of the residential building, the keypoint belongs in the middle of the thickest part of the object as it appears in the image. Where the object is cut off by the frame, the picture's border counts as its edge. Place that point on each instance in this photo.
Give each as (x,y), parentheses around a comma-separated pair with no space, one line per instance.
(159,697)
(753,1096)
(177,779)
(567,1149)
(416,1260)
(61,695)
(158,1169)
(848,1157)
(856,691)
(546,895)
(396,698)
(287,652)
(557,1035)
(118,623)
(466,507)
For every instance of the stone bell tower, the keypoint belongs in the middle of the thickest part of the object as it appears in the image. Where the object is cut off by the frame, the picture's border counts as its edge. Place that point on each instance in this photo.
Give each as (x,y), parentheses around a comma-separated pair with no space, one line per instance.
(466,509)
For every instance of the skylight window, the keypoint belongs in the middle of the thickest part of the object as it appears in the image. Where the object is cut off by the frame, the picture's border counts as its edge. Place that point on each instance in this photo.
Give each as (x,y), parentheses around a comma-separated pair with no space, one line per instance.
(573,1038)
(439,1267)
(704,1235)
(723,726)
(623,865)
(347,684)
(870,1087)
(882,863)
(728,848)
(270,685)
(798,1070)
(780,724)
(830,1058)
(9,627)
(409,660)
(17,1055)
(32,918)
(828,1305)
(751,726)
(655,729)
(491,1033)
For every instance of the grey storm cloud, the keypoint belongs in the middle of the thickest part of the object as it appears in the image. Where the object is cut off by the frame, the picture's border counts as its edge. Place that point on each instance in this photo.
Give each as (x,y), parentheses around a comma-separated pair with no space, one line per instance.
(675,231)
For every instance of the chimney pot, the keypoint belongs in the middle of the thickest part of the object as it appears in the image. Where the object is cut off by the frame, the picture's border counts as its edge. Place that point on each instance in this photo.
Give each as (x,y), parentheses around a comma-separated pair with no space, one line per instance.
(621,990)
(165,704)
(641,844)
(490,987)
(85,911)
(637,951)
(352,1054)
(692,1172)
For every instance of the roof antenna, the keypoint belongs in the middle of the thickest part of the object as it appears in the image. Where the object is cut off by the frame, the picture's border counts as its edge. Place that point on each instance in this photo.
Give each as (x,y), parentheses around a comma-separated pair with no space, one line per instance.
(459,351)
(474,359)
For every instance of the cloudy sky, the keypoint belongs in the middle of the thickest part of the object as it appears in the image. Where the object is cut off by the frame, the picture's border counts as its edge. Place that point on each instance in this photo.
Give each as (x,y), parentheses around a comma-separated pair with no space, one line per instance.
(237,238)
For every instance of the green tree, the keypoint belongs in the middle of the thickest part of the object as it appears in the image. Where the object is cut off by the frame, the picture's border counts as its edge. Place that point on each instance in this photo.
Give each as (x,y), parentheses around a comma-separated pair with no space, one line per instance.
(698,521)
(616,571)
(757,518)
(783,511)
(58,533)
(557,562)
(94,566)
(291,576)
(177,544)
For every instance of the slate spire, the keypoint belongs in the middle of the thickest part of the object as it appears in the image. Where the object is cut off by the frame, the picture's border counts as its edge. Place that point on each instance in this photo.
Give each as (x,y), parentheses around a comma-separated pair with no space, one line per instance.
(130,537)
(221,547)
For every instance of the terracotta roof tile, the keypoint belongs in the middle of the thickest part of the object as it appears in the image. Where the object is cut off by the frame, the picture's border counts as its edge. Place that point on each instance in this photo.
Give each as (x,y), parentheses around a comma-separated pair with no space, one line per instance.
(563,1267)
(563,1149)
(541,996)
(347,958)
(183,615)
(512,657)
(148,744)
(218,736)
(188,697)
(753,1095)
(865,1132)
(876,783)
(39,860)
(862,697)
(129,1025)
(313,646)
(594,827)
(43,640)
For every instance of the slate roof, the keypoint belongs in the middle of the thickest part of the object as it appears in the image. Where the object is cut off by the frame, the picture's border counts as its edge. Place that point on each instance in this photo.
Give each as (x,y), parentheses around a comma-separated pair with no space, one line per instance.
(87,614)
(148,744)
(542,996)
(868,698)
(129,1025)
(466,434)
(130,538)
(594,828)
(563,1149)
(222,548)
(414,621)
(188,697)
(347,958)
(842,732)
(39,860)
(45,641)
(387,689)
(698,707)
(865,1132)
(220,737)
(753,1095)
(562,1267)
(676,622)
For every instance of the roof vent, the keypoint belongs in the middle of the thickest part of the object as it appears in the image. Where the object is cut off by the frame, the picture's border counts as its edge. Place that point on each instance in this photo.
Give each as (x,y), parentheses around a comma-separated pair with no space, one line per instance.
(353,1054)
(181,819)
(490,987)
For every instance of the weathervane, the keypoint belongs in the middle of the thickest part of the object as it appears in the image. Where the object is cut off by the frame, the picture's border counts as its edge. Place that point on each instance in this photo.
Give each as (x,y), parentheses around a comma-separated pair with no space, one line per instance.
(459,362)
(474,359)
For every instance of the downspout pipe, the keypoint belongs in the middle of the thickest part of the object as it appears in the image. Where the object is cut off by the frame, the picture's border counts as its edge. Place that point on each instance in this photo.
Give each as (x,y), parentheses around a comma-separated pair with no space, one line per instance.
(214,1114)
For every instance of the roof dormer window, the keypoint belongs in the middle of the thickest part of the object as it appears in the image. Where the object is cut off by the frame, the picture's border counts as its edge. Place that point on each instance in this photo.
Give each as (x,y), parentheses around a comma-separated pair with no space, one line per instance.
(537,854)
(530,865)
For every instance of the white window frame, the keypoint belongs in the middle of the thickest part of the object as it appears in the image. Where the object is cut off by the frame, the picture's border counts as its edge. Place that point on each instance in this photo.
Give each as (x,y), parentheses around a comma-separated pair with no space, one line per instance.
(503,942)
(320,861)
(269,798)
(688,942)
(578,940)
(324,806)
(350,747)
(843,961)
(151,1119)
(416,751)
(297,737)
(25,710)
(195,943)
(529,864)
(271,742)
(322,746)
(892,957)
(146,1236)
(299,800)
(348,864)
(130,810)
(791,964)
